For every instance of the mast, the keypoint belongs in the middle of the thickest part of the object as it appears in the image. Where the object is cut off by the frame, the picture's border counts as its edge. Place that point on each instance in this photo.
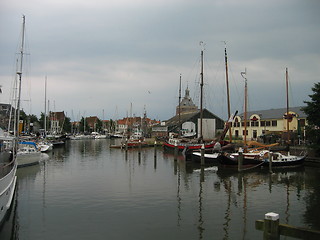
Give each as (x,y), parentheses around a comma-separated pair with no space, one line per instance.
(243,74)
(287,83)
(19,73)
(228,94)
(179,129)
(45,107)
(201,94)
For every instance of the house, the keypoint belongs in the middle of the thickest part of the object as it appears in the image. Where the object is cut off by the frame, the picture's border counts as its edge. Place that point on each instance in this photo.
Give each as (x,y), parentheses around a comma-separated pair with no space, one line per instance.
(267,122)
(56,122)
(130,124)
(92,122)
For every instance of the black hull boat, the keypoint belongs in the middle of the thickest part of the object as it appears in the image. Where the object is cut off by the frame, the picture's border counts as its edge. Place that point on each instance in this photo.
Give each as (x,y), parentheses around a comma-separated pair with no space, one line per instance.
(262,158)
(208,157)
(232,159)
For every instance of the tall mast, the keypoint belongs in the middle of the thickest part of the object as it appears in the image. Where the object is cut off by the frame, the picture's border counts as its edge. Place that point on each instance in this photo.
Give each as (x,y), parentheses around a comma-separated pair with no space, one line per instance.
(243,74)
(288,132)
(20,74)
(179,128)
(45,107)
(201,95)
(228,94)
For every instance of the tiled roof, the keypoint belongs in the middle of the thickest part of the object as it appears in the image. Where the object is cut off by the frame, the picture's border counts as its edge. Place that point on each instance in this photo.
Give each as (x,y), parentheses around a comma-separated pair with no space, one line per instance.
(276,113)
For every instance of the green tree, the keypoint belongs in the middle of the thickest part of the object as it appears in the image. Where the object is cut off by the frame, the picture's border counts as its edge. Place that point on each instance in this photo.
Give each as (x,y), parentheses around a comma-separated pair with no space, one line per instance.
(82,128)
(67,125)
(99,125)
(313,118)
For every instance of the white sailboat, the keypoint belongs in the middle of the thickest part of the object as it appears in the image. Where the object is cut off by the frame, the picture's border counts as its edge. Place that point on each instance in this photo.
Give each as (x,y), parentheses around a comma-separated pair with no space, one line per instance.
(25,154)
(8,157)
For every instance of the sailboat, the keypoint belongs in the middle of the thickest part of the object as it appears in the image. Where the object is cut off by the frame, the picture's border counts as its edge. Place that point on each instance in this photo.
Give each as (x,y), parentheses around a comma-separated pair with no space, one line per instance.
(260,155)
(278,158)
(193,144)
(213,154)
(27,153)
(44,145)
(249,158)
(8,157)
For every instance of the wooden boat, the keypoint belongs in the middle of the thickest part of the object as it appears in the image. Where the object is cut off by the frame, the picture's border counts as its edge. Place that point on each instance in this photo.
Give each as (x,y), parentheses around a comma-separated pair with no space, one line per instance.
(251,158)
(186,144)
(211,155)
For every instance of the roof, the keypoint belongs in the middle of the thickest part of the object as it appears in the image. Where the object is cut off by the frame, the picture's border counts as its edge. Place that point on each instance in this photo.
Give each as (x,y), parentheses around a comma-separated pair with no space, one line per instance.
(184,117)
(276,113)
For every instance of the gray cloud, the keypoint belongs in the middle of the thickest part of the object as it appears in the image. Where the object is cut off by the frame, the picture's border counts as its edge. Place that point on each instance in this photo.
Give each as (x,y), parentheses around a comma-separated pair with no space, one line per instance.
(105,55)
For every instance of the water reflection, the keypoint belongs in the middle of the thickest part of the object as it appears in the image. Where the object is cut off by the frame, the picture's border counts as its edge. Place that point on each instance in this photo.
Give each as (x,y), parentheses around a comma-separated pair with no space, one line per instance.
(86,190)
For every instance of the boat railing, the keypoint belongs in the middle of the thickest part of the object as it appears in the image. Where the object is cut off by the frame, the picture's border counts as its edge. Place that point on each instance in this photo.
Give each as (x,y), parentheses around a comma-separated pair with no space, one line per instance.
(5,168)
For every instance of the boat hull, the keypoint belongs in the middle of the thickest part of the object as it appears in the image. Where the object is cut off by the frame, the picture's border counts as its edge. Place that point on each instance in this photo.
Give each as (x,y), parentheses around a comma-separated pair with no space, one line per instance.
(7,188)
(188,147)
(208,157)
(232,160)
(25,160)
(293,161)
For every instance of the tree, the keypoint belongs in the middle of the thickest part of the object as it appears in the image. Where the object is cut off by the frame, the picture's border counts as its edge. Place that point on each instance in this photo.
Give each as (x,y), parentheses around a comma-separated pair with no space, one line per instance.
(312,111)
(67,125)
(83,128)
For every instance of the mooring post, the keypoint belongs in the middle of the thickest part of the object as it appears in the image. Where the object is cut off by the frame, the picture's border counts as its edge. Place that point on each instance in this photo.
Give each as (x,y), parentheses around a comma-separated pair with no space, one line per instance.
(175,151)
(202,155)
(155,149)
(126,144)
(240,160)
(270,162)
(271,226)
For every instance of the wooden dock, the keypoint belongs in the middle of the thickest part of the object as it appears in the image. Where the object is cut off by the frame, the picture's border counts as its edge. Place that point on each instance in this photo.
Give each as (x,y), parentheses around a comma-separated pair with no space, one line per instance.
(272,229)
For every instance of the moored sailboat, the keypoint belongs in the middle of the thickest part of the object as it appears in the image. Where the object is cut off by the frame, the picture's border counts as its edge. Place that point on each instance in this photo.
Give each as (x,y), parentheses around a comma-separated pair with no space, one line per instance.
(186,144)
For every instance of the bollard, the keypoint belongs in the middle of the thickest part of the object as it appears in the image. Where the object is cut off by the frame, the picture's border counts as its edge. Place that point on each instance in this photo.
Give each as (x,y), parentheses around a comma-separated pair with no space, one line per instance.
(271,226)
(202,155)
(270,162)
(240,159)
(175,151)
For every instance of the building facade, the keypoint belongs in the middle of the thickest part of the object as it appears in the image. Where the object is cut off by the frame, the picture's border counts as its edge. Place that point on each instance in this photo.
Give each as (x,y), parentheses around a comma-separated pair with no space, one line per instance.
(267,122)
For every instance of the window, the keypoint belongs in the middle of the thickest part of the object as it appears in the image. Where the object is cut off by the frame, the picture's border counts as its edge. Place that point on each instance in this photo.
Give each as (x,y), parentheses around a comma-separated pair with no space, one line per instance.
(245,132)
(268,123)
(274,123)
(254,134)
(262,123)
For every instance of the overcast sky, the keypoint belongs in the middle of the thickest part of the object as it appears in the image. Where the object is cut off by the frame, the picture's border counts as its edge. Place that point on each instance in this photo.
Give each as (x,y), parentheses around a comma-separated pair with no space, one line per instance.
(103,56)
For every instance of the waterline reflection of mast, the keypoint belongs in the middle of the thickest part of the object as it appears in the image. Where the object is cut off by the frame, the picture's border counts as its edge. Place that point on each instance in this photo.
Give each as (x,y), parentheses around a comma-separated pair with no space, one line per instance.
(201,221)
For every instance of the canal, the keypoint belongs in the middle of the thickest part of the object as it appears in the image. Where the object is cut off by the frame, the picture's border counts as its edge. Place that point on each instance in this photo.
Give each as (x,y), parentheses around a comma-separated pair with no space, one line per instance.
(85,190)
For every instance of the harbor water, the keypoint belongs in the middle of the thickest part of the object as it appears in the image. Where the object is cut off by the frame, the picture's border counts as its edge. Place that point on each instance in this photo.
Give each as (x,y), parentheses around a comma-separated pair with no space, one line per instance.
(85,190)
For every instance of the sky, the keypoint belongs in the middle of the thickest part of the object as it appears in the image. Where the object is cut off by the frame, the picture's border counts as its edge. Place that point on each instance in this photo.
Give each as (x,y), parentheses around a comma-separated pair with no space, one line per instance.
(118,58)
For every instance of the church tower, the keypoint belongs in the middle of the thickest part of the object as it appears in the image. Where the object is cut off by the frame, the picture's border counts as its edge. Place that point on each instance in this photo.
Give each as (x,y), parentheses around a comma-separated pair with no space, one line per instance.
(186,104)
